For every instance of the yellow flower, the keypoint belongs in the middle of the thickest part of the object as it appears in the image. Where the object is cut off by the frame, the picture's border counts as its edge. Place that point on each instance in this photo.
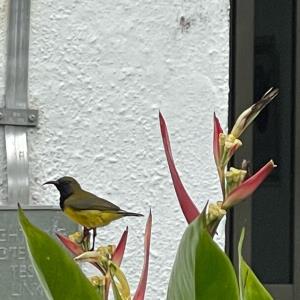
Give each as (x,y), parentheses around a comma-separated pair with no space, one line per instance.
(215,212)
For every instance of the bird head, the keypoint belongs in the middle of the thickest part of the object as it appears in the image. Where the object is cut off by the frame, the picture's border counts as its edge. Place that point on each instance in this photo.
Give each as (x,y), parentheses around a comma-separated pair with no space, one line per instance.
(65,185)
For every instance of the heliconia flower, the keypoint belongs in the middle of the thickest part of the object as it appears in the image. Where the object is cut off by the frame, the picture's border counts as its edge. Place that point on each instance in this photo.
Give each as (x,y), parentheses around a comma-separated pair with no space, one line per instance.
(234,177)
(114,273)
(247,117)
(215,212)
(231,145)
(228,145)
(141,289)
(248,186)
(216,145)
(188,207)
(77,250)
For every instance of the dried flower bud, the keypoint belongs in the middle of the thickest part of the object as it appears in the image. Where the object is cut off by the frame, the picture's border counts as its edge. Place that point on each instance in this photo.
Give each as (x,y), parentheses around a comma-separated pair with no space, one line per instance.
(247,117)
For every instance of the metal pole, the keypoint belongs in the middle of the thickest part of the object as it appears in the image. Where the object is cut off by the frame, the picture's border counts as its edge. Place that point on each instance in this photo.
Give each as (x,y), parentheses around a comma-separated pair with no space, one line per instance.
(16,98)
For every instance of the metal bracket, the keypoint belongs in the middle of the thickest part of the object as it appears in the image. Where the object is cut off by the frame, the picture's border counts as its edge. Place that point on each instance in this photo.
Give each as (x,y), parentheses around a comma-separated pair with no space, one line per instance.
(18,117)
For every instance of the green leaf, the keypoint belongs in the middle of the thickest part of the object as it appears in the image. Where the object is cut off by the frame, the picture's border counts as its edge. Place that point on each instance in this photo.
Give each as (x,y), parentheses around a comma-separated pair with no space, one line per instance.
(59,275)
(250,287)
(117,295)
(201,269)
(120,284)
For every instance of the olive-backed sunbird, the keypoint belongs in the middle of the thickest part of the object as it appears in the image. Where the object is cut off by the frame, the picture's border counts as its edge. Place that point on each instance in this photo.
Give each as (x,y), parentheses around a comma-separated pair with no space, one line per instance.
(85,208)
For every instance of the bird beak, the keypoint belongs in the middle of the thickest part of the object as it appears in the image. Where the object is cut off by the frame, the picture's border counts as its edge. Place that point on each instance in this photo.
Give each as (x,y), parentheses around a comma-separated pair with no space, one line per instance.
(55,182)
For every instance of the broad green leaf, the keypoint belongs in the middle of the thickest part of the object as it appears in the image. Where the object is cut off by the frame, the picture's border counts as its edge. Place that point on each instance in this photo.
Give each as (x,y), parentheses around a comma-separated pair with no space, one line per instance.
(250,287)
(59,275)
(201,269)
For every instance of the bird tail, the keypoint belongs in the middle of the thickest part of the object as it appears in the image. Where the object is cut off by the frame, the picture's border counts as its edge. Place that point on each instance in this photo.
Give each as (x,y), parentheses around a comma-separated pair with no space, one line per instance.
(130,214)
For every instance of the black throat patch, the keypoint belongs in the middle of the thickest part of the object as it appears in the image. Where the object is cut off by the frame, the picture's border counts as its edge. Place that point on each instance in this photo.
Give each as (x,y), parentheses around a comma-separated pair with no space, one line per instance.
(65,192)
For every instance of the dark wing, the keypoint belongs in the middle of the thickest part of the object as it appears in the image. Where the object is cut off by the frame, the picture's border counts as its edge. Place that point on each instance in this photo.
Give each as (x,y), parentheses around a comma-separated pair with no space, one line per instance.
(88,201)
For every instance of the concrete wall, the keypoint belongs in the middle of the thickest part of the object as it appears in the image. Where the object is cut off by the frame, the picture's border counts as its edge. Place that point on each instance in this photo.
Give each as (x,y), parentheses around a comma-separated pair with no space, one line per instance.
(99,73)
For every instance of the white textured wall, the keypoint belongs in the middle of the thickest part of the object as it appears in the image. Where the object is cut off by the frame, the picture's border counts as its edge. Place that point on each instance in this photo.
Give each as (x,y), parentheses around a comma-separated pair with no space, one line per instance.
(99,73)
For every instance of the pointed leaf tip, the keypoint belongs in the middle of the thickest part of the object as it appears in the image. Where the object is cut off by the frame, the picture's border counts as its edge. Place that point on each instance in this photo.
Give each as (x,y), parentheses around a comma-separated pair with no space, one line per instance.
(188,207)
(141,289)
(216,145)
(117,257)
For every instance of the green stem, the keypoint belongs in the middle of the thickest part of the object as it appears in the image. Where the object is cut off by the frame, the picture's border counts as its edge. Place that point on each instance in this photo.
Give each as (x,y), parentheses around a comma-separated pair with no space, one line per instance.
(221,173)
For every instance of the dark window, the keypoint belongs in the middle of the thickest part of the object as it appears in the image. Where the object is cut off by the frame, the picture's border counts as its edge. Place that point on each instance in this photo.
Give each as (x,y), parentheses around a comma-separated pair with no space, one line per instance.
(273,138)
(264,53)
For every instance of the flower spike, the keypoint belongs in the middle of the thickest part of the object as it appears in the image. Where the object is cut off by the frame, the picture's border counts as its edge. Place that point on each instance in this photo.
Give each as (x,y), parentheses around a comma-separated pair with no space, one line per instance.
(249,186)
(188,207)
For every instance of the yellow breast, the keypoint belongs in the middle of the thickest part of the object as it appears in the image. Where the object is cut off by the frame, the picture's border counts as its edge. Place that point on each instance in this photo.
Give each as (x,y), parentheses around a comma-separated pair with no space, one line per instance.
(92,218)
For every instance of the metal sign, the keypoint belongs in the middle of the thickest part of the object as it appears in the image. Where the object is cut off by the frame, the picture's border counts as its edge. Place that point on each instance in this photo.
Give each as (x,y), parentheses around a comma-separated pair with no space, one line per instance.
(17,276)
